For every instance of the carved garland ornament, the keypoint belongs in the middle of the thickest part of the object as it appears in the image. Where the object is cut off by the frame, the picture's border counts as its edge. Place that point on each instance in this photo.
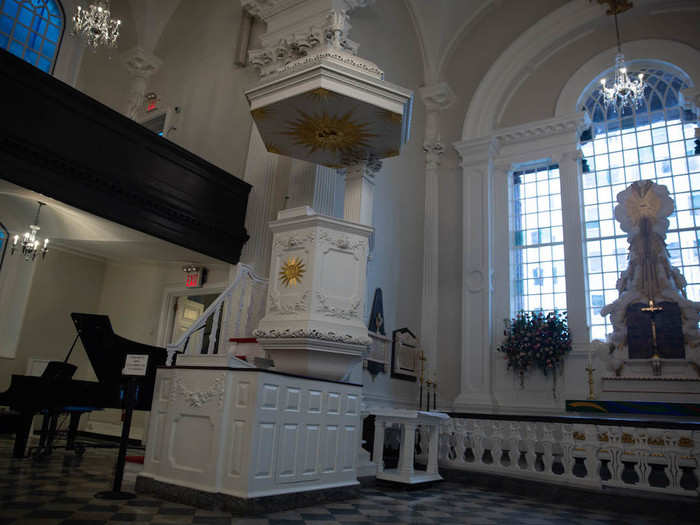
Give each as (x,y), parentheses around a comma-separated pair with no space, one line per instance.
(197,399)
(329,310)
(311,334)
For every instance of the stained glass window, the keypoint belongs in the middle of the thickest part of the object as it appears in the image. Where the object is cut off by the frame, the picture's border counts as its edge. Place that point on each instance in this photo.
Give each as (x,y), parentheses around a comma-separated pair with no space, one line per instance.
(654,142)
(537,240)
(32,29)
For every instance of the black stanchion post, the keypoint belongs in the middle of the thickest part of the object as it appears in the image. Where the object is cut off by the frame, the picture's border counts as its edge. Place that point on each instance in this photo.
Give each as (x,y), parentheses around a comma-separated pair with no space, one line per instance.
(116,492)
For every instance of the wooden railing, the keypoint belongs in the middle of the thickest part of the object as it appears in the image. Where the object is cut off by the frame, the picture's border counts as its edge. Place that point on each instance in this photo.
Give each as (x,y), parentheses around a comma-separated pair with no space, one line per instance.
(238,307)
(656,456)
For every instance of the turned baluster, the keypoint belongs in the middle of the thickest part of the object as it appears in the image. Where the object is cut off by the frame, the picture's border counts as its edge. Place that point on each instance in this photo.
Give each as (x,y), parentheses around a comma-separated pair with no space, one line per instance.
(496,439)
(614,445)
(547,446)
(478,444)
(567,450)
(530,444)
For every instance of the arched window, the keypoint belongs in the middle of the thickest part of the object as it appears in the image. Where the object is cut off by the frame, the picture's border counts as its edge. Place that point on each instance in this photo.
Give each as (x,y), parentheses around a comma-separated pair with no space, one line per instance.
(655,142)
(32,30)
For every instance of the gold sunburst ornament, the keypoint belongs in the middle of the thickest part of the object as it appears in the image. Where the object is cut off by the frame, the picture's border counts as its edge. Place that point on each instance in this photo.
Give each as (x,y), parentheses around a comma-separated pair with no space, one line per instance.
(329,132)
(292,271)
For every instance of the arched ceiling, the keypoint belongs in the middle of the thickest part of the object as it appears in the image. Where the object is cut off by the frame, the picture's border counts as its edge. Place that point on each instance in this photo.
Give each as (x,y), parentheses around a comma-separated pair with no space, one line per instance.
(440,24)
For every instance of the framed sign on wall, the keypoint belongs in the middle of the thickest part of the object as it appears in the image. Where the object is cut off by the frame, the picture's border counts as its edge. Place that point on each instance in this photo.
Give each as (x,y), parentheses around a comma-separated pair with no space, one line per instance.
(404,355)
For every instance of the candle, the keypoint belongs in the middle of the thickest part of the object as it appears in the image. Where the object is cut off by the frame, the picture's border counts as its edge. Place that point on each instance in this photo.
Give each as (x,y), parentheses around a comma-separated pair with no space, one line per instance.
(590,359)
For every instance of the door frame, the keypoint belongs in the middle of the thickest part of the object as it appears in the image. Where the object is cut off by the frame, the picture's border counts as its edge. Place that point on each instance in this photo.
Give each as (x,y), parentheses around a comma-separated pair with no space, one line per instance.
(170,295)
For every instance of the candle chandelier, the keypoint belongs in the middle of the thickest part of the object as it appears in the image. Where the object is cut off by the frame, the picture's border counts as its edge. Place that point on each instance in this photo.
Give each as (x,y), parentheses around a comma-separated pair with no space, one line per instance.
(95,25)
(30,245)
(623,91)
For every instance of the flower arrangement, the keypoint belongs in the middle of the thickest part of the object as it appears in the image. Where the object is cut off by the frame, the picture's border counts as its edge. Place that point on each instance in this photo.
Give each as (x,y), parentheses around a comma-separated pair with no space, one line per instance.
(536,339)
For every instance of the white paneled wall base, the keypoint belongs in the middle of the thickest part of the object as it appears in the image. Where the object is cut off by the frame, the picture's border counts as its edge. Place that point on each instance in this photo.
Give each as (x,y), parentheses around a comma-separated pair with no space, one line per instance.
(250,433)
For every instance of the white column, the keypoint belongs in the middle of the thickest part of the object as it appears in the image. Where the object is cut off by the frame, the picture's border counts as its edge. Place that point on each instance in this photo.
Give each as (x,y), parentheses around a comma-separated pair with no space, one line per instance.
(407,451)
(359,192)
(433,449)
(475,365)
(569,166)
(327,184)
(437,98)
(141,65)
(261,168)
(378,449)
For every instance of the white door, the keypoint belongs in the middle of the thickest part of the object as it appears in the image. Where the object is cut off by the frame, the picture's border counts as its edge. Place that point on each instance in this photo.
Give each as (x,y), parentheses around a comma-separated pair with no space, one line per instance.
(186,313)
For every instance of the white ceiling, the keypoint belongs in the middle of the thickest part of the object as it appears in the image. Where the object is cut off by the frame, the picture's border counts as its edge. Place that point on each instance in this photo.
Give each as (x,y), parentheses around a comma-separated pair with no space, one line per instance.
(73,229)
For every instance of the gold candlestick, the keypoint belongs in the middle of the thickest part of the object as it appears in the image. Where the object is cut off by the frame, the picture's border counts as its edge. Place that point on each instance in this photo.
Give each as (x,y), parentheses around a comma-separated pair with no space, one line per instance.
(591,383)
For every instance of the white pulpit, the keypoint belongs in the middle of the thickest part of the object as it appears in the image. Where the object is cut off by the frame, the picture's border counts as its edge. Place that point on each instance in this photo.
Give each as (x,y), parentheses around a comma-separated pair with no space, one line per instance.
(238,434)
(408,421)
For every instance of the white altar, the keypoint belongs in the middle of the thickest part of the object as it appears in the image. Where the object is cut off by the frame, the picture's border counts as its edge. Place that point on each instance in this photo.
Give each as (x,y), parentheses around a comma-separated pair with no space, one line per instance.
(248,433)
(408,421)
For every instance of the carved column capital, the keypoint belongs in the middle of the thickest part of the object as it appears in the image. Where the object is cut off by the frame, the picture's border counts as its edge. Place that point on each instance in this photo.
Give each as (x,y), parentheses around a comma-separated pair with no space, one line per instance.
(140,63)
(433,152)
(437,97)
(572,155)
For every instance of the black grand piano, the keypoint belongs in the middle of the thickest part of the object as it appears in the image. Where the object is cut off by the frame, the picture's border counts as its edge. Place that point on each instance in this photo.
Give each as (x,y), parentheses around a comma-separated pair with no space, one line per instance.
(56,392)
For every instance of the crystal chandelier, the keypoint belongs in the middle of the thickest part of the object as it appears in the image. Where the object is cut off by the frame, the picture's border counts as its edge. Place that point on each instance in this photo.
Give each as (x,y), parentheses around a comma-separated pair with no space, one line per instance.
(30,245)
(95,25)
(624,91)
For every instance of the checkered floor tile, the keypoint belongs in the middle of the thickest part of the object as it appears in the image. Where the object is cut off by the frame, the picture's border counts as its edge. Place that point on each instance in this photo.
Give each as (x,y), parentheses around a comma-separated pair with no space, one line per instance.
(61,490)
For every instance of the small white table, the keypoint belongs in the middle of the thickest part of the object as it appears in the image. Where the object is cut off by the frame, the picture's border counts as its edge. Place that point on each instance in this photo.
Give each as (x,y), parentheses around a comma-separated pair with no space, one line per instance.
(408,420)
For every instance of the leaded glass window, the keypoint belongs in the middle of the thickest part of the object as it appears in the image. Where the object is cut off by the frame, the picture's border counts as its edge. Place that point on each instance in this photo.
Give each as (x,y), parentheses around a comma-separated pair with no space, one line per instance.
(31,29)
(537,240)
(653,142)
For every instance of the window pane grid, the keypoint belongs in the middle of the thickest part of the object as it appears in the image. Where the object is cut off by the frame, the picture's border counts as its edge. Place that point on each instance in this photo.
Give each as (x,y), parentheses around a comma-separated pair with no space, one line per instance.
(537,254)
(31,30)
(651,143)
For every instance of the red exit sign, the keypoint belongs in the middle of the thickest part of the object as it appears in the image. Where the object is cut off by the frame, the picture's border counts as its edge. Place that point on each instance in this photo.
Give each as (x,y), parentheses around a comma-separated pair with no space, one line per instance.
(194,276)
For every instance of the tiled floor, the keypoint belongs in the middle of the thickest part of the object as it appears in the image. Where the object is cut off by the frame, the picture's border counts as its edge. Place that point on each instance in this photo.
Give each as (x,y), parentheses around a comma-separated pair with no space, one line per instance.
(61,490)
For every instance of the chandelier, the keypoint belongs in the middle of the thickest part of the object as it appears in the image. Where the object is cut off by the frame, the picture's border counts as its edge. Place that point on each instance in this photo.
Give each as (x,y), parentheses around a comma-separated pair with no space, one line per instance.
(95,25)
(625,91)
(30,245)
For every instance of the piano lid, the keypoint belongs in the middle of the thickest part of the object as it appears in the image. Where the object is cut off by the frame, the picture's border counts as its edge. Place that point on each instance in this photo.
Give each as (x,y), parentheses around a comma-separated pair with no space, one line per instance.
(101,346)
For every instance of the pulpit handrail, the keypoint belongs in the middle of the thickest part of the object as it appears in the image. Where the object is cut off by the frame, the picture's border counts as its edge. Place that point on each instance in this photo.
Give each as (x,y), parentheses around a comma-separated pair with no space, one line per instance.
(223,302)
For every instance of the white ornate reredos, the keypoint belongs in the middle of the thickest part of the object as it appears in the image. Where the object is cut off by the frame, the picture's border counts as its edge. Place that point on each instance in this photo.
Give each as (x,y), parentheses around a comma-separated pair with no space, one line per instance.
(643,211)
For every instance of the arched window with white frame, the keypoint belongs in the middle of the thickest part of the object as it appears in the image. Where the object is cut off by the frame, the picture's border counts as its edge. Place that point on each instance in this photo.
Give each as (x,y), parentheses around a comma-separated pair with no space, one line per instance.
(653,142)
(32,30)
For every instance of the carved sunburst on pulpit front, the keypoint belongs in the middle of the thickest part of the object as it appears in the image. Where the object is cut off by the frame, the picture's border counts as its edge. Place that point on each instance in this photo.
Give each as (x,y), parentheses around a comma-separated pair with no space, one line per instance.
(292,271)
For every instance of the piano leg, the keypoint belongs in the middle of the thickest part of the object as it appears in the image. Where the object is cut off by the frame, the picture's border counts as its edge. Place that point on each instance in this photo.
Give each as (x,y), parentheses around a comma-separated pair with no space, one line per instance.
(72,429)
(22,434)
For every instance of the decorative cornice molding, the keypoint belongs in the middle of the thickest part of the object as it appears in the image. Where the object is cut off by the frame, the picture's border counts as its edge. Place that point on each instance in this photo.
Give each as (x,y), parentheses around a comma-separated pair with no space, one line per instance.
(477,151)
(575,123)
(437,97)
(302,333)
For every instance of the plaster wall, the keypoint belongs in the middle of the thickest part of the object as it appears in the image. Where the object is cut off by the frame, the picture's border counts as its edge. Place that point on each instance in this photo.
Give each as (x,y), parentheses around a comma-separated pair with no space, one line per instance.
(102,74)
(198,75)
(63,283)
(386,36)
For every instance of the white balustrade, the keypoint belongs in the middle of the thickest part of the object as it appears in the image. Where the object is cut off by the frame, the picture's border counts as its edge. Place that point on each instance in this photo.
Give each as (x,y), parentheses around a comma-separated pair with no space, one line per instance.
(237,310)
(578,454)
